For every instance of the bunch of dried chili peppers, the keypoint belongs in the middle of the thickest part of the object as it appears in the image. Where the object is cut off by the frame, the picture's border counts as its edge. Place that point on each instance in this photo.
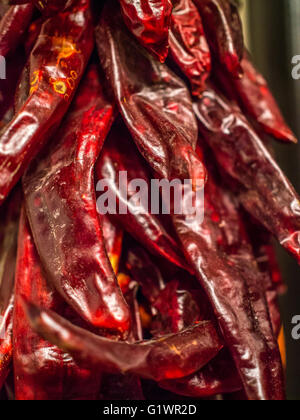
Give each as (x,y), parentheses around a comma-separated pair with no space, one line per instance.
(120,306)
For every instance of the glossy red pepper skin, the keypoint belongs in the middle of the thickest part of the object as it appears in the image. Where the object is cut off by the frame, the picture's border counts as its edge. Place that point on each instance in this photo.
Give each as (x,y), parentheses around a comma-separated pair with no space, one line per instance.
(57,63)
(253,95)
(265,191)
(13,26)
(120,154)
(8,248)
(62,183)
(149,22)
(153,102)
(256,99)
(42,371)
(224,32)
(218,377)
(234,293)
(113,239)
(174,356)
(188,44)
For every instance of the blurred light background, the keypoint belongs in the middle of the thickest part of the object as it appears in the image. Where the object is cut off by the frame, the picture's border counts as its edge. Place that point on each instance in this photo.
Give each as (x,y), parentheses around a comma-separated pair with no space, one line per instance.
(272,33)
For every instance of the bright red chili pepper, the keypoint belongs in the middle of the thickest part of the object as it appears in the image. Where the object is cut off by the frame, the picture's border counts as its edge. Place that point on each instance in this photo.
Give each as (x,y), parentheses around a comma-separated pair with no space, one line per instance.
(224,32)
(154,103)
(42,371)
(188,44)
(171,357)
(57,63)
(120,155)
(61,187)
(149,21)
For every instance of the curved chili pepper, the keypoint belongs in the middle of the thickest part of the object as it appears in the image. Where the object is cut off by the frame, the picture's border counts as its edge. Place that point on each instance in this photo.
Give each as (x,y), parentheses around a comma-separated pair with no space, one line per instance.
(8,247)
(224,32)
(218,377)
(188,44)
(154,103)
(256,98)
(57,63)
(149,22)
(173,356)
(119,154)
(265,191)
(13,26)
(42,371)
(238,302)
(61,206)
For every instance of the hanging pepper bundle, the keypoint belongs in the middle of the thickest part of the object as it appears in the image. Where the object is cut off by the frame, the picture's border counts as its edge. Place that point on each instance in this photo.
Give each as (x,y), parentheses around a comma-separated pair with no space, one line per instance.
(124,304)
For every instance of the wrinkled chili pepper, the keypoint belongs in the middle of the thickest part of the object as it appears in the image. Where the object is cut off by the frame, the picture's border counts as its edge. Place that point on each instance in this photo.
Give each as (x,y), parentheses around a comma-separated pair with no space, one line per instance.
(149,22)
(61,206)
(174,356)
(42,371)
(224,32)
(218,377)
(188,44)
(238,305)
(265,191)
(154,103)
(57,63)
(13,26)
(8,247)
(120,155)
(113,238)
(256,98)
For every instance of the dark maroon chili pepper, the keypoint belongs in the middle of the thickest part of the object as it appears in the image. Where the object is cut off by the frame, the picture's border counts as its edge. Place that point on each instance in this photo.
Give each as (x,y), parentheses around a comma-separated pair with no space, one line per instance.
(149,21)
(218,377)
(120,154)
(13,26)
(33,34)
(188,44)
(224,32)
(239,306)
(9,215)
(42,371)
(173,356)
(256,99)
(61,206)
(154,103)
(57,63)
(265,191)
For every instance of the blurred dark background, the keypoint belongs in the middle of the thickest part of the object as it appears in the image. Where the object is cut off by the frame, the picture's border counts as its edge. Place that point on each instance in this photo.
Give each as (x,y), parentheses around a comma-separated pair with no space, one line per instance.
(272,29)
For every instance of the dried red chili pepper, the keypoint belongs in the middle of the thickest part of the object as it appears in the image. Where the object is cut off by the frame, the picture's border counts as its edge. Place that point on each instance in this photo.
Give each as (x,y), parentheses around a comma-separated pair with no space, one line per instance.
(253,94)
(13,26)
(238,302)
(173,356)
(154,103)
(224,32)
(42,371)
(8,247)
(149,22)
(188,44)
(218,377)
(120,155)
(265,191)
(59,187)
(57,63)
